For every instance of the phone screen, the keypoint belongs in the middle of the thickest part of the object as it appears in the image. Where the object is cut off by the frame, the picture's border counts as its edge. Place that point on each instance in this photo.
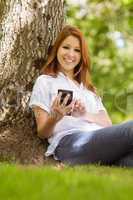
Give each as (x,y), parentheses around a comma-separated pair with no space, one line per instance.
(64,94)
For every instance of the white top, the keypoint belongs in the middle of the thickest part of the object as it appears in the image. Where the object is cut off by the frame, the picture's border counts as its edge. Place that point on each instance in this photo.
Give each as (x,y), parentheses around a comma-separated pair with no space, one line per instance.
(46,89)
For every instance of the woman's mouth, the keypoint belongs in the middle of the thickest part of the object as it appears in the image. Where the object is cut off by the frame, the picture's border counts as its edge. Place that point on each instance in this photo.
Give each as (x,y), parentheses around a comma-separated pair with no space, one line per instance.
(69,61)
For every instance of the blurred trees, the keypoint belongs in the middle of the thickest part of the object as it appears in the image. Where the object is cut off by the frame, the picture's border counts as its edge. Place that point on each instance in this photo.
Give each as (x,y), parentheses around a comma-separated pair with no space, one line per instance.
(107,26)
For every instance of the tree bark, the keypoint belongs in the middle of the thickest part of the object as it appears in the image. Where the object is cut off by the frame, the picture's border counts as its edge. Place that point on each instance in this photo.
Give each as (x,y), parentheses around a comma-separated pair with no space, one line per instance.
(28,28)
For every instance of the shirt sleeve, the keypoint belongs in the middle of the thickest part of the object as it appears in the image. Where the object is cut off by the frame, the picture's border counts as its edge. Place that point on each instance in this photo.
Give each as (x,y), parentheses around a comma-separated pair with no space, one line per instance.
(100,105)
(41,94)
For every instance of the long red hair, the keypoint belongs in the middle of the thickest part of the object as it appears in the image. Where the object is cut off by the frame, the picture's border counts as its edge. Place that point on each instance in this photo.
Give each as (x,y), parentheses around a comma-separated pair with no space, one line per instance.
(82,70)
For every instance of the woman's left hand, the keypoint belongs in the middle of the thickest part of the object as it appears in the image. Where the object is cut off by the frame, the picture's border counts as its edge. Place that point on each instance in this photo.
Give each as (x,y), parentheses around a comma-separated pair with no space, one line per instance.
(78,109)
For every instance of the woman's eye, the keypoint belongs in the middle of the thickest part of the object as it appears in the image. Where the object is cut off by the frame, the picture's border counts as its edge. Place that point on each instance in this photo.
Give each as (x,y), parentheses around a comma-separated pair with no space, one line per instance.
(78,50)
(65,47)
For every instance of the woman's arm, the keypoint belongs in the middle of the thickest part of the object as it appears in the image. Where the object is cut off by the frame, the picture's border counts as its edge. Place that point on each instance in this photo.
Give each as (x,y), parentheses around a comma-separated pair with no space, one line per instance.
(102,118)
(45,122)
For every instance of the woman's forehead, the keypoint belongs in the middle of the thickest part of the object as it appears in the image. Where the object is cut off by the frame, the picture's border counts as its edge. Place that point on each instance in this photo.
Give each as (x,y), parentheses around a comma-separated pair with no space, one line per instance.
(72,40)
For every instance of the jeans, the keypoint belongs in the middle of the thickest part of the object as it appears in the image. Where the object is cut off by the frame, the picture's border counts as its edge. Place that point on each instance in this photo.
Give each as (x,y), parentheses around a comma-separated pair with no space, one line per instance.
(107,146)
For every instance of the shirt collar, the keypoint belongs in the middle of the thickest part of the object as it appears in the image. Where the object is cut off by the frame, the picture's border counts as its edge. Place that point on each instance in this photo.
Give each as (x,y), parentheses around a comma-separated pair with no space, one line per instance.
(68,79)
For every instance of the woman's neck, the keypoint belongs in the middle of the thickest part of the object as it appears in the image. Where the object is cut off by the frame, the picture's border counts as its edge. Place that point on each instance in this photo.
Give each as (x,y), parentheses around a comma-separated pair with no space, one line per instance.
(71,77)
(68,74)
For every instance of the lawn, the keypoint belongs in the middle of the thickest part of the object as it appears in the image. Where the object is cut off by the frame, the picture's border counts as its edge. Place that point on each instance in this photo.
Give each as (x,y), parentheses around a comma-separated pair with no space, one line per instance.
(69,183)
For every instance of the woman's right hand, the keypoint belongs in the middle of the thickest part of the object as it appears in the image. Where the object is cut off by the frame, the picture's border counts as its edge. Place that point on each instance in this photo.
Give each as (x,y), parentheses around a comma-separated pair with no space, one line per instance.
(59,110)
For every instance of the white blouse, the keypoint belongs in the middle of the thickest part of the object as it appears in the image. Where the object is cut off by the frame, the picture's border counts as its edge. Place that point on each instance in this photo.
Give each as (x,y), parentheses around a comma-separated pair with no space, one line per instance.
(44,92)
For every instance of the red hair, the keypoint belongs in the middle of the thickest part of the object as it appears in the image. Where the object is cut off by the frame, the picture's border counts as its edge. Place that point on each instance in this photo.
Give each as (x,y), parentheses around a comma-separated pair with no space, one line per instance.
(82,70)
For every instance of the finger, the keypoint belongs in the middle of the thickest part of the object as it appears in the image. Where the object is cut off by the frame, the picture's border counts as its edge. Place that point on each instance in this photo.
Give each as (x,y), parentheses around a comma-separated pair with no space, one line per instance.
(68,110)
(65,100)
(80,105)
(54,102)
(76,106)
(59,98)
(71,105)
(81,109)
(77,103)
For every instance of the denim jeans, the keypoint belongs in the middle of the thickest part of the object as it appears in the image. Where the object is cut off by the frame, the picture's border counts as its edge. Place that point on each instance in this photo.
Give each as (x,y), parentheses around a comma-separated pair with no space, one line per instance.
(107,146)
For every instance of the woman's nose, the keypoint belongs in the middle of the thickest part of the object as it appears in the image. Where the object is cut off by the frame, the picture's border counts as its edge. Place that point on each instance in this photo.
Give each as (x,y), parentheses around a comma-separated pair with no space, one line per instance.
(71,53)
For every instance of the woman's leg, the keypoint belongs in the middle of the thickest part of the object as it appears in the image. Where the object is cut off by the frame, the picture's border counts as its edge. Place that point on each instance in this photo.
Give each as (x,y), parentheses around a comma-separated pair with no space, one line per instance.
(104,146)
(126,161)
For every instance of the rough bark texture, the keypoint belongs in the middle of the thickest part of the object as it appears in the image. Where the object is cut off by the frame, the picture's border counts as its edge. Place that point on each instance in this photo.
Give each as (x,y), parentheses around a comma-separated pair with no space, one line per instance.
(28,28)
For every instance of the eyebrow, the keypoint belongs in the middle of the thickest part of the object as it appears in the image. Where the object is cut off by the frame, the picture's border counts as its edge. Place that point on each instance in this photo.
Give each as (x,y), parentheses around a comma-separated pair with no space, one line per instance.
(70,45)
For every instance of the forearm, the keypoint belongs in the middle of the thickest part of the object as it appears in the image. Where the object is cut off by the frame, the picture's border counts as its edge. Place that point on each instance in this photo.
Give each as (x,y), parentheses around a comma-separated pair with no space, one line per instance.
(98,118)
(46,130)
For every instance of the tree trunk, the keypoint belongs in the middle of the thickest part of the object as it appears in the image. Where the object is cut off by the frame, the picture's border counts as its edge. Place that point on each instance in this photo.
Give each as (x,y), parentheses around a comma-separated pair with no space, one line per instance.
(28,28)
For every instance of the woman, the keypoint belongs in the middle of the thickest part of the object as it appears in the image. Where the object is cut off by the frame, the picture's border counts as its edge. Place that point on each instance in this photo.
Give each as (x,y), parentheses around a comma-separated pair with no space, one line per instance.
(80,132)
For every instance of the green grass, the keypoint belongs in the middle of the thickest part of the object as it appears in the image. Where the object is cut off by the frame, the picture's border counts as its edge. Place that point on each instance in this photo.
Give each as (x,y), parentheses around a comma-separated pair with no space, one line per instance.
(70,183)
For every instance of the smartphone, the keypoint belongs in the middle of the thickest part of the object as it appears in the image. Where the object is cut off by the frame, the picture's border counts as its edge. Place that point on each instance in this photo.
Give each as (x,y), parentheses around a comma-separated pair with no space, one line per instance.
(64,94)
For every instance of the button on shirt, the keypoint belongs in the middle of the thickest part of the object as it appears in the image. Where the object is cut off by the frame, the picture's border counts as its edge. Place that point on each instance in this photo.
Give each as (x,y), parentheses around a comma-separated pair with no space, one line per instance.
(44,92)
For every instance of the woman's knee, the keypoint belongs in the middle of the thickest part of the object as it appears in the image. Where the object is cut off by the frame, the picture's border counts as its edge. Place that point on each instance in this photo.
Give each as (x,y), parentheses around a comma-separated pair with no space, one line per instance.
(129,127)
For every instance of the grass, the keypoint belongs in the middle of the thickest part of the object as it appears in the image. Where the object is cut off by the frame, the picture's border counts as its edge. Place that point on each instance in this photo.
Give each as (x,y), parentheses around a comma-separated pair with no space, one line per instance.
(70,183)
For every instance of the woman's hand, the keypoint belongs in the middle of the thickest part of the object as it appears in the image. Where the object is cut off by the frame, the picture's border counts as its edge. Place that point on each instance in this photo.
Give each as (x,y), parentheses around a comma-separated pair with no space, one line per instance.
(78,109)
(59,110)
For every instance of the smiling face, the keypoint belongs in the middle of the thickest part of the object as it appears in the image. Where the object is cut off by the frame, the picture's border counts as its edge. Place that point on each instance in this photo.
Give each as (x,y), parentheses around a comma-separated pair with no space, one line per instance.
(69,55)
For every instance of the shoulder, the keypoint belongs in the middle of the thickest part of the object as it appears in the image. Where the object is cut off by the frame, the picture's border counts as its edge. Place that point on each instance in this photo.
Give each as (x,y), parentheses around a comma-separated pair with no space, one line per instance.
(94,94)
(42,79)
(91,92)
